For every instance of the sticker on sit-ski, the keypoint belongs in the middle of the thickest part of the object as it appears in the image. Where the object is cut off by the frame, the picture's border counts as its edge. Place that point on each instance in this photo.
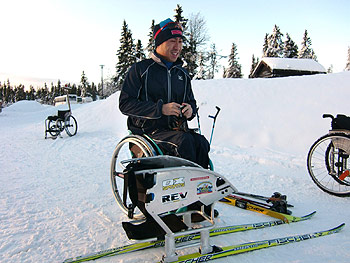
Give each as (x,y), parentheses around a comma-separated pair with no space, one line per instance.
(173,183)
(204,188)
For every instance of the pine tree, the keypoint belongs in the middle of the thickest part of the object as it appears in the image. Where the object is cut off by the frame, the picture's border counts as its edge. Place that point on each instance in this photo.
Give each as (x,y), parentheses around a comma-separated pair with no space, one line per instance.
(31,93)
(151,45)
(213,62)
(274,44)
(347,67)
(290,49)
(19,93)
(178,16)
(234,69)
(139,53)
(265,46)
(306,51)
(188,45)
(255,62)
(189,54)
(84,84)
(202,71)
(126,56)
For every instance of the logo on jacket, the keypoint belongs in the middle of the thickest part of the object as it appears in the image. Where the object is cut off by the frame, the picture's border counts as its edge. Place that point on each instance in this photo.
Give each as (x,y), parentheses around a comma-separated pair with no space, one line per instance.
(180,77)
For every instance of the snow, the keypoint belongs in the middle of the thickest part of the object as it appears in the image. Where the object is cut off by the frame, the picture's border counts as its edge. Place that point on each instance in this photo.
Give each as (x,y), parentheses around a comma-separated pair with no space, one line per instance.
(301,64)
(56,200)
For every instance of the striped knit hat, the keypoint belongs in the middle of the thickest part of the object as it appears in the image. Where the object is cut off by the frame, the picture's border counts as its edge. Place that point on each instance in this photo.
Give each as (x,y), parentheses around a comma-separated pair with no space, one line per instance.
(165,30)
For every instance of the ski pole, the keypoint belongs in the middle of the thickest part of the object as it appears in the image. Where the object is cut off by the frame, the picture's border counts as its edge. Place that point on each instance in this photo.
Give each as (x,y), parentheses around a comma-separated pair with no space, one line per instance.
(260,197)
(199,125)
(214,120)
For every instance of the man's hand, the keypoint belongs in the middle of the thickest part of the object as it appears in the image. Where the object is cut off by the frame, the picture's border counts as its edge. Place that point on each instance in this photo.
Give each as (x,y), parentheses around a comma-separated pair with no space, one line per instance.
(173,108)
(187,110)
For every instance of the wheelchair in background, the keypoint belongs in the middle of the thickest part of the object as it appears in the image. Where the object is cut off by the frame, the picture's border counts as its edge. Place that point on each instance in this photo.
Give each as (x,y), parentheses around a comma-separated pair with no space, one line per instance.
(328,160)
(56,124)
(64,120)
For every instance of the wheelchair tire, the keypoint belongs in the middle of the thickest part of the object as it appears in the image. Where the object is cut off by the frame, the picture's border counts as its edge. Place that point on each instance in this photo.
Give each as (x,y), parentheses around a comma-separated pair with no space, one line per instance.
(327,160)
(70,125)
(53,128)
(123,152)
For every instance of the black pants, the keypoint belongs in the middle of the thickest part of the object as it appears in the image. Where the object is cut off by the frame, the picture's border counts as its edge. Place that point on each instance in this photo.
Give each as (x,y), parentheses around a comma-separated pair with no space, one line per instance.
(188,145)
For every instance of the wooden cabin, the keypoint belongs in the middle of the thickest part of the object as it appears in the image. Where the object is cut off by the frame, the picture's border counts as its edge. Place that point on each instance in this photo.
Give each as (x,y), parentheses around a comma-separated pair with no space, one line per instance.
(283,67)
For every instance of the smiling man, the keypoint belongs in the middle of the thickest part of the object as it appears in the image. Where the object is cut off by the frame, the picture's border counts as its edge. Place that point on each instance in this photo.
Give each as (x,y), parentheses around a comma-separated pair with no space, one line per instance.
(158,99)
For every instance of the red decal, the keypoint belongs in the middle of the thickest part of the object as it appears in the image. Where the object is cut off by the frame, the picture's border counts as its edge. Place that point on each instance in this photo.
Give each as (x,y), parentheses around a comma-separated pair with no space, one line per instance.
(200,178)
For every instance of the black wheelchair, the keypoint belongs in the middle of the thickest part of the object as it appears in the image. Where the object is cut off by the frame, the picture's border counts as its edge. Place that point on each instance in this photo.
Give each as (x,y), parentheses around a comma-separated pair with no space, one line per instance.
(56,124)
(64,120)
(328,158)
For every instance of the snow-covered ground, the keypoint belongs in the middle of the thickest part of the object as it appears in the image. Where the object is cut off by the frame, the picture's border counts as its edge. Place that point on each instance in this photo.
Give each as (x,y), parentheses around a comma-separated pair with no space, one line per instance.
(56,200)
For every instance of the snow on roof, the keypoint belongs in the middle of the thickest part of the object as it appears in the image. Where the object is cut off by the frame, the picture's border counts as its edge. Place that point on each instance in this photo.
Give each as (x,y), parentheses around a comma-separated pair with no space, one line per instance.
(301,64)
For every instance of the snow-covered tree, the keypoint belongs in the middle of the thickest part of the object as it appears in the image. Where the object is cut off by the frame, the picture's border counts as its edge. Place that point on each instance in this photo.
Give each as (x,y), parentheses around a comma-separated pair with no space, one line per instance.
(202,71)
(290,49)
(126,56)
(84,84)
(197,36)
(273,46)
(234,69)
(306,51)
(347,67)
(213,57)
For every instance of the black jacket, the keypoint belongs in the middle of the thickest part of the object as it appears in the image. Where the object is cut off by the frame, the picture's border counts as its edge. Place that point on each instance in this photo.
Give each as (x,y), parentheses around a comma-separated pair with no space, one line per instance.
(148,85)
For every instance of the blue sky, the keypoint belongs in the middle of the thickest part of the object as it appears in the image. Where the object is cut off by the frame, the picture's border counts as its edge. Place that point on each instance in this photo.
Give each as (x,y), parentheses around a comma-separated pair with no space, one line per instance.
(58,39)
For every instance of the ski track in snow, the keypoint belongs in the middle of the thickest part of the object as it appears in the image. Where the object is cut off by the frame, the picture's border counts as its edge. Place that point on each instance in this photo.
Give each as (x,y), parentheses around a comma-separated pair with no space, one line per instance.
(56,200)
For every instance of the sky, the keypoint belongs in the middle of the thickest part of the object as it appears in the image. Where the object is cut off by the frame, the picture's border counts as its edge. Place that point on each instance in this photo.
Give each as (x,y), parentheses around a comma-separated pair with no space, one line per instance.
(47,40)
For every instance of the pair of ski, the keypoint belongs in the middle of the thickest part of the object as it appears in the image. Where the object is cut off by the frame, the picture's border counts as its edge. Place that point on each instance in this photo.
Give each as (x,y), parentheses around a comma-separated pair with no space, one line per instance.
(223,251)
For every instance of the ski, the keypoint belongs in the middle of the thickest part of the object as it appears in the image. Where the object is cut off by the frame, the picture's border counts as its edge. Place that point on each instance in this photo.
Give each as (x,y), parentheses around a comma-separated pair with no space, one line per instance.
(253,206)
(255,245)
(160,243)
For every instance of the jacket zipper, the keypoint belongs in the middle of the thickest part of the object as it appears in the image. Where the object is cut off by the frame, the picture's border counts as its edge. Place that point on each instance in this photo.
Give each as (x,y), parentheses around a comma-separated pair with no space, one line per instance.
(169,86)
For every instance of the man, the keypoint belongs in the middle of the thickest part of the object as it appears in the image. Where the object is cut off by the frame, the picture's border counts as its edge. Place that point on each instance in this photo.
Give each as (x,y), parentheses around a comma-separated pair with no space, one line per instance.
(157,98)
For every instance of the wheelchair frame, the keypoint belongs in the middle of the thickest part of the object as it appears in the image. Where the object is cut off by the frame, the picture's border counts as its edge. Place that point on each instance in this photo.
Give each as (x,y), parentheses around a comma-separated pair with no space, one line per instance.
(64,120)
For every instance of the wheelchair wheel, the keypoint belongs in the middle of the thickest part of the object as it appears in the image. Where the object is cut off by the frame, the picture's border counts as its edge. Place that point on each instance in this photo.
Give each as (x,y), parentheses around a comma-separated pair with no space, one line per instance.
(327,163)
(132,146)
(53,128)
(70,125)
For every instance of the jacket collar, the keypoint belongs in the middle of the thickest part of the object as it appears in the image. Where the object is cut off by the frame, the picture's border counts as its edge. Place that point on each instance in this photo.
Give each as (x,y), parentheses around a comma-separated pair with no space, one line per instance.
(158,60)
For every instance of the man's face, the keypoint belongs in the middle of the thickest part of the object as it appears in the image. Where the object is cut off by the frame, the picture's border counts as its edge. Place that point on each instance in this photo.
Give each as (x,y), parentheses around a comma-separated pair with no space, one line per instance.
(170,50)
